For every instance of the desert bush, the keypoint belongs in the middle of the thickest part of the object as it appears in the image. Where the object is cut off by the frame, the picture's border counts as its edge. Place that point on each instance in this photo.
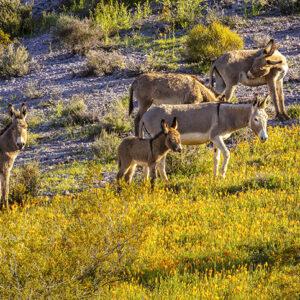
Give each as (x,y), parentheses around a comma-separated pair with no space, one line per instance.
(4,38)
(74,112)
(189,162)
(181,12)
(15,18)
(79,36)
(294,111)
(288,6)
(26,182)
(33,90)
(14,61)
(100,63)
(105,146)
(207,43)
(113,16)
(116,119)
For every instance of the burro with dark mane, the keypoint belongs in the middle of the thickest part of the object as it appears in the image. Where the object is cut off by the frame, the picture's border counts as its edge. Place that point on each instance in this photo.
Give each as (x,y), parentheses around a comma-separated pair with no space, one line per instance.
(204,122)
(12,140)
(166,88)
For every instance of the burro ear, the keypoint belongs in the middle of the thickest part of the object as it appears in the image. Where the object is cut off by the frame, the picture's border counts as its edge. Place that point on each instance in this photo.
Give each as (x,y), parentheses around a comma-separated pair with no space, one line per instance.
(23,110)
(174,123)
(164,126)
(264,103)
(256,101)
(270,48)
(11,110)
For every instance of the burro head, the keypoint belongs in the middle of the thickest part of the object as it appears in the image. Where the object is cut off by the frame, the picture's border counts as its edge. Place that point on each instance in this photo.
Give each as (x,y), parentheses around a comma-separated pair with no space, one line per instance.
(19,126)
(259,118)
(268,59)
(173,141)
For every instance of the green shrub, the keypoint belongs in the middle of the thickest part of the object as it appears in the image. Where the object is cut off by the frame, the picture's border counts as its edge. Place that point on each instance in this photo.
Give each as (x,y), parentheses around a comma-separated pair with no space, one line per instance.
(181,12)
(79,36)
(116,119)
(26,182)
(105,146)
(14,61)
(288,6)
(74,112)
(114,15)
(102,63)
(15,18)
(208,43)
(4,38)
(294,111)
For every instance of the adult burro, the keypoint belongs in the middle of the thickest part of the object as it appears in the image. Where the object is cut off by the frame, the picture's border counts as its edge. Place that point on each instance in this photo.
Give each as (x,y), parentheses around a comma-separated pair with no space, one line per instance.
(161,88)
(252,68)
(12,140)
(204,122)
(134,151)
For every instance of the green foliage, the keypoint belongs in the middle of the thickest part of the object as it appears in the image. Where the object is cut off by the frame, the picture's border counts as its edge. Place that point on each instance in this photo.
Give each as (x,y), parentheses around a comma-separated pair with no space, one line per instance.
(294,111)
(73,112)
(288,6)
(117,119)
(114,16)
(15,18)
(105,146)
(100,63)
(207,43)
(4,38)
(14,61)
(181,12)
(193,237)
(77,35)
(26,183)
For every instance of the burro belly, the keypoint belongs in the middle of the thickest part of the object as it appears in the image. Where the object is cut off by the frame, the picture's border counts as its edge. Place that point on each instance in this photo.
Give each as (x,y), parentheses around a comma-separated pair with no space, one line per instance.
(194,138)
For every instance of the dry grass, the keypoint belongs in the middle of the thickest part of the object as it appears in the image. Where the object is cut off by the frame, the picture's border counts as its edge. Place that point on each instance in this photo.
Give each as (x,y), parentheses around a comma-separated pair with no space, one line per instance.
(104,63)
(14,61)
(79,36)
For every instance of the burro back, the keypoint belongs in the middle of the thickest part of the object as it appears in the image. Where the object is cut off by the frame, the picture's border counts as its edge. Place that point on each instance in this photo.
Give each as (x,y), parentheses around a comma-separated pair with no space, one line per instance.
(266,66)
(167,88)
(215,122)
(13,139)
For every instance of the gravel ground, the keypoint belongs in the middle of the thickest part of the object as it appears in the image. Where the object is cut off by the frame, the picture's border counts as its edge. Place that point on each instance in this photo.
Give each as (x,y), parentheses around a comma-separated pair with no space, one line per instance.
(55,73)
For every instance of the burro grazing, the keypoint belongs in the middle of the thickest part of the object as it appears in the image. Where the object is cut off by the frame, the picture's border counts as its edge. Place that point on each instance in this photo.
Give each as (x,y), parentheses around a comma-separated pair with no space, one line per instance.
(204,122)
(265,66)
(160,88)
(134,151)
(12,140)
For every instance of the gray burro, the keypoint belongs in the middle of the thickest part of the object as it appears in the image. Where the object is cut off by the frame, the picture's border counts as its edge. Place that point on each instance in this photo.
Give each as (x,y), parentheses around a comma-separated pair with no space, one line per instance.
(204,122)
(12,140)
(257,67)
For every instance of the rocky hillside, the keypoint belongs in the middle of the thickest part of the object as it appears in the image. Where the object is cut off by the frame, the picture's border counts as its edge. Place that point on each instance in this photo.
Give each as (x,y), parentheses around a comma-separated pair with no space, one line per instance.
(57,75)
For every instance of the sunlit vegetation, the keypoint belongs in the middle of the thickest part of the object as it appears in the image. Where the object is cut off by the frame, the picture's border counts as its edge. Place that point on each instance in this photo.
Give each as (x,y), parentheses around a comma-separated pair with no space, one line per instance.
(194,236)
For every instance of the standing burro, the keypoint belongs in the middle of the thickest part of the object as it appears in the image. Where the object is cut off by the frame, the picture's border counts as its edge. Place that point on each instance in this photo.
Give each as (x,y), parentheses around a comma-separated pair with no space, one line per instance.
(266,66)
(166,88)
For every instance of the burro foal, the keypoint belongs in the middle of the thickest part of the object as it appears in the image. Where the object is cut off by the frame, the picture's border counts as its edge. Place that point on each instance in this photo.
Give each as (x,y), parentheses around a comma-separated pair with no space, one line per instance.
(12,140)
(204,122)
(134,151)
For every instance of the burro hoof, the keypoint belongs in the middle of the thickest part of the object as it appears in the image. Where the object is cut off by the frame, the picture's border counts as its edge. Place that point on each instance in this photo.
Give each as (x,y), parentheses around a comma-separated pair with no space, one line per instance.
(282,117)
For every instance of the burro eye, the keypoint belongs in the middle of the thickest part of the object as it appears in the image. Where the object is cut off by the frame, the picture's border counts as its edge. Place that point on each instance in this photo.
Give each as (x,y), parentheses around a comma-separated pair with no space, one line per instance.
(256,119)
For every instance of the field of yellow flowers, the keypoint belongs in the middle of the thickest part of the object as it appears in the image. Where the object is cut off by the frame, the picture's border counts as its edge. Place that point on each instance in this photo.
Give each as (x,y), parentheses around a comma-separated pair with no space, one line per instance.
(193,238)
